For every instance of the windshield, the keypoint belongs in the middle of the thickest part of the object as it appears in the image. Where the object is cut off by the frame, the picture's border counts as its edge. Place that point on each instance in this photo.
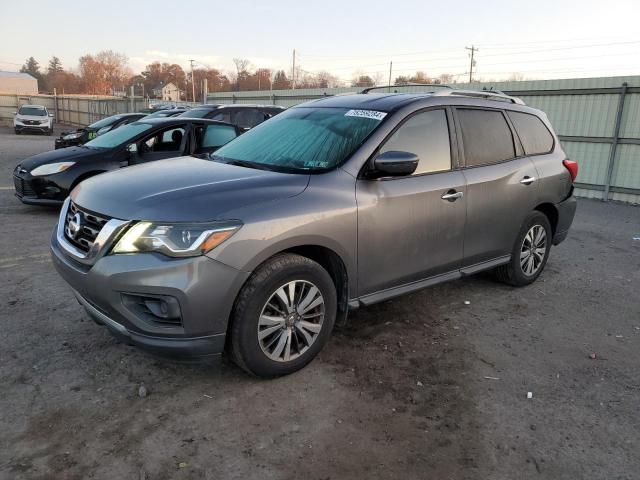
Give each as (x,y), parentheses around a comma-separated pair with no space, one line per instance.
(118,136)
(105,121)
(35,111)
(302,139)
(196,113)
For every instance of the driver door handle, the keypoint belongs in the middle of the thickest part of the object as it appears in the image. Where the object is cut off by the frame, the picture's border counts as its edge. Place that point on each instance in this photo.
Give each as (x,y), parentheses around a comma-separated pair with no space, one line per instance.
(528,180)
(452,195)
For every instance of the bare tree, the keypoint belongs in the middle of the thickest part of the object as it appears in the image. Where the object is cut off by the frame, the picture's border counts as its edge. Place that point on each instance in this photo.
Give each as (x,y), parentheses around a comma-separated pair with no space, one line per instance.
(242,66)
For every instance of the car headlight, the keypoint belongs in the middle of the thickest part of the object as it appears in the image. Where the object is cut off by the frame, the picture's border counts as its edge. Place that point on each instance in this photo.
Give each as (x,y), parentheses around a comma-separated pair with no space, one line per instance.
(50,168)
(72,136)
(175,239)
(104,130)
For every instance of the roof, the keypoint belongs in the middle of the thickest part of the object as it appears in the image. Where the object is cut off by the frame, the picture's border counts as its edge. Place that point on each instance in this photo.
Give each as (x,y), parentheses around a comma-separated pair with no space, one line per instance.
(179,120)
(26,76)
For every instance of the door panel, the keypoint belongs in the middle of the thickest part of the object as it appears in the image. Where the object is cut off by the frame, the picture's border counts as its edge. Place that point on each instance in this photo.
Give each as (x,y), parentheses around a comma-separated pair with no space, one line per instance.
(497,204)
(406,231)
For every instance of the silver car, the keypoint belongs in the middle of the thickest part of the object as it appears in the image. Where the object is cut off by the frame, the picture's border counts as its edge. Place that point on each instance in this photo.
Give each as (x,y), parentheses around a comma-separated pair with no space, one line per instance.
(260,248)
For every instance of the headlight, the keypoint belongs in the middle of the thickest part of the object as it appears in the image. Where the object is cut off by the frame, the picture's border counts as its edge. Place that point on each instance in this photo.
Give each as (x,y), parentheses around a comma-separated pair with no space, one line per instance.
(72,136)
(175,239)
(51,168)
(104,130)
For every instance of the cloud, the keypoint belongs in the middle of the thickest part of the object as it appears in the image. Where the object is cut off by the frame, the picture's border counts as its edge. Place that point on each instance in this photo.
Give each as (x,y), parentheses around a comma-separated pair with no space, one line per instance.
(138,63)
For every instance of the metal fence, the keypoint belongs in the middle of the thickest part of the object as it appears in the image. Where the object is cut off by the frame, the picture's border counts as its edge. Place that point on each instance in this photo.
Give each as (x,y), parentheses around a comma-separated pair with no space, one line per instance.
(77,110)
(597,120)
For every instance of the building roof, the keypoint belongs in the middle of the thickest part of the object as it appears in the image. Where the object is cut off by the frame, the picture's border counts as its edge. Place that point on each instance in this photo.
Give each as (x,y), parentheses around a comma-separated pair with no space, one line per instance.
(16,75)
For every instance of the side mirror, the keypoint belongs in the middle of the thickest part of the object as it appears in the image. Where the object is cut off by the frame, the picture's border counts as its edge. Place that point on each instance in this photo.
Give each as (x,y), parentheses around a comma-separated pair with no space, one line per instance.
(132,148)
(395,164)
(15,113)
(51,115)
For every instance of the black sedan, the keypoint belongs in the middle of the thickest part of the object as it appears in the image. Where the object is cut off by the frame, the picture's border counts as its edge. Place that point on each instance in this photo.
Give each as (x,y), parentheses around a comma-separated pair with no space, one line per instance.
(48,178)
(83,135)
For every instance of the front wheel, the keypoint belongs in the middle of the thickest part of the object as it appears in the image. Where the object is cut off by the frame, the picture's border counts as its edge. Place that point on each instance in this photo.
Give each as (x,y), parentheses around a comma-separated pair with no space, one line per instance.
(283,316)
(530,252)
(18,132)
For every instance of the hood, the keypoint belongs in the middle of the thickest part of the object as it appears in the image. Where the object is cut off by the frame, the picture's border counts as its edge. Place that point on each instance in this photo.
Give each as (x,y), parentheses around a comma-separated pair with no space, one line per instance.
(60,155)
(184,189)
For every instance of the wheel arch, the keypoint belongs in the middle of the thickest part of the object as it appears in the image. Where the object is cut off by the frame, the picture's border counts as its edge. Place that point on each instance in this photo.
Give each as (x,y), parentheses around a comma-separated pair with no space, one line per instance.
(551,212)
(84,176)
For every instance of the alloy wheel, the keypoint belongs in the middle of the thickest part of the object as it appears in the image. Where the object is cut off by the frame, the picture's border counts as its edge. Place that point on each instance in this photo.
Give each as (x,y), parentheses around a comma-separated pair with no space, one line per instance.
(291,320)
(533,250)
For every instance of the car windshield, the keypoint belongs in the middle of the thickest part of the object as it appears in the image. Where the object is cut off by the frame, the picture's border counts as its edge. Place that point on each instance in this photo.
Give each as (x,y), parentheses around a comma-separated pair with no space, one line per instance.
(118,136)
(196,113)
(34,111)
(105,121)
(302,139)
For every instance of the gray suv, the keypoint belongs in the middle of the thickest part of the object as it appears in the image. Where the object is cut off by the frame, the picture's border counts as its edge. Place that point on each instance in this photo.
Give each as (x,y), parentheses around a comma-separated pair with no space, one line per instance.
(332,205)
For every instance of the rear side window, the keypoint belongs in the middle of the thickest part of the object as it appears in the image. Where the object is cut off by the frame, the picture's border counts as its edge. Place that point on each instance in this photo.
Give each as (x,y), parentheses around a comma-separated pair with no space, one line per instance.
(486,136)
(427,135)
(534,135)
(248,117)
(218,135)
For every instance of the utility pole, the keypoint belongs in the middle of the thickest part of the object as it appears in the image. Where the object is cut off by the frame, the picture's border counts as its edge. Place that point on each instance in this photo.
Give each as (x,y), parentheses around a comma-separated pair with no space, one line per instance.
(293,71)
(390,69)
(473,62)
(193,82)
(205,90)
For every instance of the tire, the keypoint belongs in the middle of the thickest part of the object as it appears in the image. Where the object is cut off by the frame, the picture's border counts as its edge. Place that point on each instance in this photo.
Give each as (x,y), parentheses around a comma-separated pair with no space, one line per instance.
(50,132)
(18,132)
(255,315)
(521,271)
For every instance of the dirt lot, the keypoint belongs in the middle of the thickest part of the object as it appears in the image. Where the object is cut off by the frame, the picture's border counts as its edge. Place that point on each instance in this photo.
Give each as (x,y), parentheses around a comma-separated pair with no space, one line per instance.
(420,387)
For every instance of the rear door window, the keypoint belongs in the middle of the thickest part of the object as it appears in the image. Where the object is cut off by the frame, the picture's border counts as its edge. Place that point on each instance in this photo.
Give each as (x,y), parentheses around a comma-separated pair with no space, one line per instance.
(427,135)
(486,136)
(534,135)
(248,117)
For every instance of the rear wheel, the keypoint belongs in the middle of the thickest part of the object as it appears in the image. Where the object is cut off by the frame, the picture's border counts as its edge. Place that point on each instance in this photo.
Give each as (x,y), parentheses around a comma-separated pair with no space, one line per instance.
(530,252)
(283,316)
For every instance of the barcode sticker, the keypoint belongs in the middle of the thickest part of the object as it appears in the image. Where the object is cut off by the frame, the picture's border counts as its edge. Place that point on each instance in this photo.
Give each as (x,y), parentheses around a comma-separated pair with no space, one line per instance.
(374,115)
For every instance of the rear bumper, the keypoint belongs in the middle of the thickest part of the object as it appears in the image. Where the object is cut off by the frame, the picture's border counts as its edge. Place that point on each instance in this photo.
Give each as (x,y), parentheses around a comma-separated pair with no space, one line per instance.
(566,212)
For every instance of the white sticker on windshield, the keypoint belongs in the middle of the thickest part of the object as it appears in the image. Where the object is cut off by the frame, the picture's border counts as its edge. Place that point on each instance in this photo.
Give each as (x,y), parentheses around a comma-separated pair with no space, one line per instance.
(366,114)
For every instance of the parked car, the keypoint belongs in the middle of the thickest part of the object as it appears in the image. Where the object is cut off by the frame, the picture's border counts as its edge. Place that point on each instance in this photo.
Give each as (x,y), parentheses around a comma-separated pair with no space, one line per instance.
(332,205)
(47,178)
(33,118)
(84,134)
(244,116)
(169,112)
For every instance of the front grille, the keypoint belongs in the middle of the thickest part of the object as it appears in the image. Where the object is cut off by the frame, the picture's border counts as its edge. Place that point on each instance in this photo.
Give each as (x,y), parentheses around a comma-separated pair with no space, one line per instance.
(31,122)
(81,227)
(23,187)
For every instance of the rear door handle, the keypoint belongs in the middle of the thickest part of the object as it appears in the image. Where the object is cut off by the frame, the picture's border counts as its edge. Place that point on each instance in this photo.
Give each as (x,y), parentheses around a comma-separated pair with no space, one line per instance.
(528,180)
(452,195)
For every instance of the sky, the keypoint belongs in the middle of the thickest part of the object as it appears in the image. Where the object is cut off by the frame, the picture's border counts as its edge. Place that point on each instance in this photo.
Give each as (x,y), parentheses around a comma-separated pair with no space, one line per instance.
(535,39)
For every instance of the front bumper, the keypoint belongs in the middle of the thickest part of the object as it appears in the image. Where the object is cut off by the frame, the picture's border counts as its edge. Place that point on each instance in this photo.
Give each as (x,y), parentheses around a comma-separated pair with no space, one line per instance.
(32,190)
(43,127)
(204,289)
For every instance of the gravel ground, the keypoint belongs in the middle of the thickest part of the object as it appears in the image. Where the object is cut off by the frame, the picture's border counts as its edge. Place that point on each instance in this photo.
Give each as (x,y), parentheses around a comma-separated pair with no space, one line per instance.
(424,386)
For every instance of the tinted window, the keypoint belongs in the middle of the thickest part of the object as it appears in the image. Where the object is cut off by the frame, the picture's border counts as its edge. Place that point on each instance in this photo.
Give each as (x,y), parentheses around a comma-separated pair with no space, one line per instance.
(486,136)
(248,117)
(217,135)
(427,135)
(35,111)
(224,116)
(533,134)
(302,139)
(196,113)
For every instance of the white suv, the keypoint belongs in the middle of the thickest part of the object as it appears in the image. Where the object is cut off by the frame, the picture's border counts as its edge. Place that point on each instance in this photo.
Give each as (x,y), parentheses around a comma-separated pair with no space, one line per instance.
(33,117)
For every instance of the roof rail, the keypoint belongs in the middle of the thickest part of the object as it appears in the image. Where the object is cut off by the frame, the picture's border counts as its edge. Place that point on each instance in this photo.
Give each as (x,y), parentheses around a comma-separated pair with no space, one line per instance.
(404,85)
(490,95)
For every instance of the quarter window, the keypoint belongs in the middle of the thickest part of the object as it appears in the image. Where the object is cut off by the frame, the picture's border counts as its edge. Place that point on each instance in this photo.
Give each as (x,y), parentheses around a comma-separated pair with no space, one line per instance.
(427,135)
(535,137)
(486,136)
